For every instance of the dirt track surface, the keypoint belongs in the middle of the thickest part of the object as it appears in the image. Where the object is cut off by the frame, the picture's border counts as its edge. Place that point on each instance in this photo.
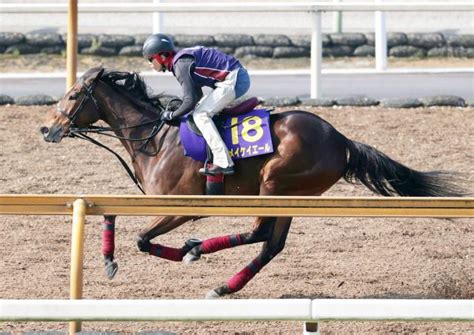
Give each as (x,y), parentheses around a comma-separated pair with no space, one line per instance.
(323,258)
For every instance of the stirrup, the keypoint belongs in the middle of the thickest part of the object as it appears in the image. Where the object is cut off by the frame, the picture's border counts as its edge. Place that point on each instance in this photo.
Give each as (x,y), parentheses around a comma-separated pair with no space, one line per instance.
(205,169)
(217,170)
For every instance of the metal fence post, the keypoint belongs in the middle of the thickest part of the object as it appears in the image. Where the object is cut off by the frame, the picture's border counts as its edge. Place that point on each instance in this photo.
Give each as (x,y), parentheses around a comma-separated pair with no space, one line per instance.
(380,41)
(316,55)
(71,44)
(157,19)
(77,255)
(311,328)
(337,20)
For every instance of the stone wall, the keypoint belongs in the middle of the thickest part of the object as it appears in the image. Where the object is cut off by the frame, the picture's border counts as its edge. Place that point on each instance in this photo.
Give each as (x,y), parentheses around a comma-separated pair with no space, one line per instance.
(262,45)
(355,101)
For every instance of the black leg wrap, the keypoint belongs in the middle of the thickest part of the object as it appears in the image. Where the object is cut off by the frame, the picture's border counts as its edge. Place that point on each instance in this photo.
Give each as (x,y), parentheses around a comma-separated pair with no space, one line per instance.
(214,188)
(143,245)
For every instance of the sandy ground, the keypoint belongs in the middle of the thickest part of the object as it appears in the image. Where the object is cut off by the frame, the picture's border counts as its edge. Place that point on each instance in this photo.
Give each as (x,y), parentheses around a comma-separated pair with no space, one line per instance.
(57,63)
(323,258)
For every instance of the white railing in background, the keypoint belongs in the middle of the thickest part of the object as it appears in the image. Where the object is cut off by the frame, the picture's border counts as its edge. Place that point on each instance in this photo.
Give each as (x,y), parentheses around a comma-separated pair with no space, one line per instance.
(313,8)
(337,20)
(380,40)
(157,20)
(203,7)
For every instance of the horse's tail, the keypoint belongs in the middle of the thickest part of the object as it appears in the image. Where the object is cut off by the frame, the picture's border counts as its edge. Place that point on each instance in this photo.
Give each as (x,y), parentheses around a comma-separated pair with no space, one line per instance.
(384,176)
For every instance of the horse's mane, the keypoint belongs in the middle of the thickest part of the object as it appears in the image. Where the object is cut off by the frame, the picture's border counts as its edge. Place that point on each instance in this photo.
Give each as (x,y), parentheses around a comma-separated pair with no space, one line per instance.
(132,85)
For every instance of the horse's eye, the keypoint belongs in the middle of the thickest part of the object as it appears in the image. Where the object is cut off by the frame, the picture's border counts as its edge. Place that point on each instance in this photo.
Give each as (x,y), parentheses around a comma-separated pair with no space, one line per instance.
(74,96)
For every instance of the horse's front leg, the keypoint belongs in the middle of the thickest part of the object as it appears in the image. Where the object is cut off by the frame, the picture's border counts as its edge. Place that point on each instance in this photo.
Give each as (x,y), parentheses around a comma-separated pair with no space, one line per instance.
(108,246)
(159,226)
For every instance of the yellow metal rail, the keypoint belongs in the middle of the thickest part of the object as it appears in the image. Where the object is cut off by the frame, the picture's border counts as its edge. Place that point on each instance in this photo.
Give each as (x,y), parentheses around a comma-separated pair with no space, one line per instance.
(77,257)
(240,206)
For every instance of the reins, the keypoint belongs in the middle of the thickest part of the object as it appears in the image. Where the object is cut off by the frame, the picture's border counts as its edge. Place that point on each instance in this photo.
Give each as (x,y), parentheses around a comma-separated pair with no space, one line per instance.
(80,133)
(103,131)
(132,176)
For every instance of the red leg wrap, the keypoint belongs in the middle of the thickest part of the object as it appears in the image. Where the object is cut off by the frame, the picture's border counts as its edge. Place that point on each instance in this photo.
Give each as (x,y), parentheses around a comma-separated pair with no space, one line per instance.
(243,277)
(108,238)
(215,179)
(218,243)
(168,253)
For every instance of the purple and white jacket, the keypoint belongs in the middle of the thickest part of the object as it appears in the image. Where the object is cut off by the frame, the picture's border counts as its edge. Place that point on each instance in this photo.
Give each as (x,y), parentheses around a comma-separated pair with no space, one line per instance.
(211,65)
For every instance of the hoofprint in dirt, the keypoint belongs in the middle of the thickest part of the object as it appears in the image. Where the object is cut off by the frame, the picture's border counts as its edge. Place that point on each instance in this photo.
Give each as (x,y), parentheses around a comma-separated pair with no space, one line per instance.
(323,258)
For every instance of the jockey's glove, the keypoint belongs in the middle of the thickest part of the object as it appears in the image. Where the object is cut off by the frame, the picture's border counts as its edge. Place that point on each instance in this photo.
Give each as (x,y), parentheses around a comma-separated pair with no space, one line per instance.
(167,116)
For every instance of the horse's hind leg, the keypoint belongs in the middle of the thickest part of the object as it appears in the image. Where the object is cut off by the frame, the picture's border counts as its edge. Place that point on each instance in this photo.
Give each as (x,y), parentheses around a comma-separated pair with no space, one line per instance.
(270,249)
(160,226)
(261,233)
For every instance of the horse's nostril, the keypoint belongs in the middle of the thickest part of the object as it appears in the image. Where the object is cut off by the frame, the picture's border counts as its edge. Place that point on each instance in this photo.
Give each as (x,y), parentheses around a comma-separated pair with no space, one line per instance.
(44,130)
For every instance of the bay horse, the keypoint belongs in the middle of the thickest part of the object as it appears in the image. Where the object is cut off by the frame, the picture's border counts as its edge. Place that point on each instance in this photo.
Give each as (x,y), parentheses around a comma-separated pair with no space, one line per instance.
(309,156)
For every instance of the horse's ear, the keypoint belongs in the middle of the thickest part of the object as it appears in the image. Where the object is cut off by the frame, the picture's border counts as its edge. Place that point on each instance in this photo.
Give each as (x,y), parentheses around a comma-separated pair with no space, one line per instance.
(99,75)
(92,75)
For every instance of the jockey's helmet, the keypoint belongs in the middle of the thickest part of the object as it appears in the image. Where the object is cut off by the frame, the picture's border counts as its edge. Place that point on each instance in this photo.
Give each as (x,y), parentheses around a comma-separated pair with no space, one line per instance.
(159,47)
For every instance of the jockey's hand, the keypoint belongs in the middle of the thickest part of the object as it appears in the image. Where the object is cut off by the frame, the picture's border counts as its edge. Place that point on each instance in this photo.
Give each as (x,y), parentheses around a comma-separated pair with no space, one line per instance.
(167,116)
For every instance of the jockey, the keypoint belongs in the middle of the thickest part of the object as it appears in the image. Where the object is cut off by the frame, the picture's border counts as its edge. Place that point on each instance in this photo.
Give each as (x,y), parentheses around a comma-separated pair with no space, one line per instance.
(194,68)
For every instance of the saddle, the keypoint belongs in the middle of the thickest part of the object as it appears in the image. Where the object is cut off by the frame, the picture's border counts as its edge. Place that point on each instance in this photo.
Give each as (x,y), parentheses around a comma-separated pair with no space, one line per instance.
(244,129)
(243,107)
(239,109)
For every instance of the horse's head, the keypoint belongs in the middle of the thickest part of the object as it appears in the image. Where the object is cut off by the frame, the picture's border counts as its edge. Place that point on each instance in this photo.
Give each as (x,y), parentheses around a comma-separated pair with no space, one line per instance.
(78,108)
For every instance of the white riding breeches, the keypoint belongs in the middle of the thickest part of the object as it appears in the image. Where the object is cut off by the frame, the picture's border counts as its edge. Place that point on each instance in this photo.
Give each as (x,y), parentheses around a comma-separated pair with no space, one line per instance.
(207,107)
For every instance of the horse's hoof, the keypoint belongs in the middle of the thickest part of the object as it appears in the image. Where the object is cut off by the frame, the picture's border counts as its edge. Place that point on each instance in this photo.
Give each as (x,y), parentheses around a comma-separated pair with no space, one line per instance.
(111,269)
(218,292)
(212,294)
(191,257)
(190,244)
(192,247)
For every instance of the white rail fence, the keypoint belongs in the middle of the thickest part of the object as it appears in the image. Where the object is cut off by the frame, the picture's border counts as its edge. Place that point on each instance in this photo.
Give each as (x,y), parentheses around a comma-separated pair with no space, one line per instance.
(311,312)
(312,8)
(233,309)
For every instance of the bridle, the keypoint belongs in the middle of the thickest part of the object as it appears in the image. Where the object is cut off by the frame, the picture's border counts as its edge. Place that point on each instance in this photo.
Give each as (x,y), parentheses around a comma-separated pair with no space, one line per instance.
(80,132)
(85,98)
